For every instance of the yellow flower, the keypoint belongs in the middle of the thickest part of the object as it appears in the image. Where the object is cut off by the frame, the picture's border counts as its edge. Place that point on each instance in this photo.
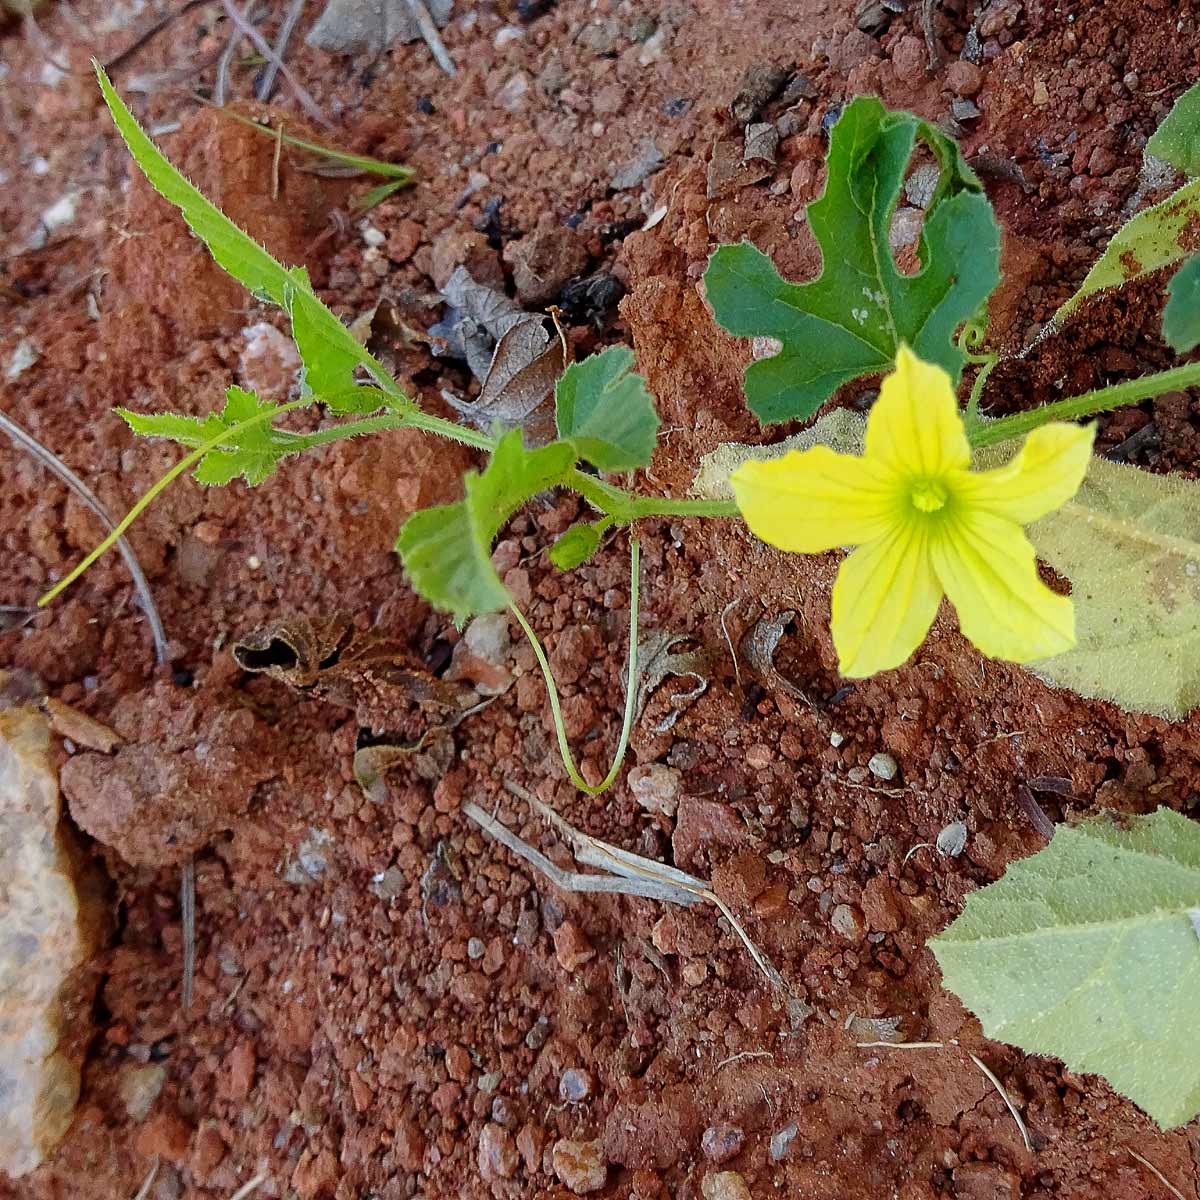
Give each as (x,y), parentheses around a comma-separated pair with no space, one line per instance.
(926,526)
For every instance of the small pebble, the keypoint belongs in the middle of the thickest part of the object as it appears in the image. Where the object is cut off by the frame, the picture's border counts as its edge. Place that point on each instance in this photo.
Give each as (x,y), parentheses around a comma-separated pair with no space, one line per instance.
(475,948)
(574,1085)
(836,739)
(883,766)
(579,1165)
(724,1185)
(781,1141)
(722,1142)
(952,840)
(656,787)
(497,1153)
(848,921)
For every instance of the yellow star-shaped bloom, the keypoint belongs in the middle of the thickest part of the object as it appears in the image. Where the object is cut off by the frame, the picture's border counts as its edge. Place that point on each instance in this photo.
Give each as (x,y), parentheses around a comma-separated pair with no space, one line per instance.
(925,526)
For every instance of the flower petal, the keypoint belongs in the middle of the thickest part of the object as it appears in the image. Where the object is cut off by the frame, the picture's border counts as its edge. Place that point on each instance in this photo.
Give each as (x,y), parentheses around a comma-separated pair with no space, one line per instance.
(884,601)
(1044,475)
(989,570)
(914,427)
(814,500)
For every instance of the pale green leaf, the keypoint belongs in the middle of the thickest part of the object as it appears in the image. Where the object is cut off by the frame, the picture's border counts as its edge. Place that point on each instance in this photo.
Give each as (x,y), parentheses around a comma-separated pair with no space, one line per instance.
(326,346)
(1089,951)
(1130,544)
(1177,139)
(604,411)
(247,445)
(447,550)
(1181,317)
(851,320)
(1159,237)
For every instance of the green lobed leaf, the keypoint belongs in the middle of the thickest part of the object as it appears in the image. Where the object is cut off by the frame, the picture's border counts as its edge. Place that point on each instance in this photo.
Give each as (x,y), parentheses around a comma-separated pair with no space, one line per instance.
(1158,237)
(252,452)
(327,348)
(1089,951)
(1181,317)
(604,410)
(447,550)
(1177,139)
(851,320)
(576,546)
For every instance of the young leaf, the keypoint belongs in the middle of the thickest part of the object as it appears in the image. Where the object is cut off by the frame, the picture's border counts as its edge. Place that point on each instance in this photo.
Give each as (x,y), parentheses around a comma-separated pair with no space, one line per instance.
(1181,317)
(447,550)
(1177,139)
(605,412)
(1129,542)
(576,546)
(1156,238)
(851,320)
(1089,951)
(326,346)
(252,451)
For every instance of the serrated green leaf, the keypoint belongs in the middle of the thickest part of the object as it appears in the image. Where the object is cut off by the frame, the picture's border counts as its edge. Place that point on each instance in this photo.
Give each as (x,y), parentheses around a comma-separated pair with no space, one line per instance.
(252,448)
(851,320)
(1181,317)
(575,546)
(326,346)
(1177,139)
(604,410)
(447,550)
(1159,237)
(1089,951)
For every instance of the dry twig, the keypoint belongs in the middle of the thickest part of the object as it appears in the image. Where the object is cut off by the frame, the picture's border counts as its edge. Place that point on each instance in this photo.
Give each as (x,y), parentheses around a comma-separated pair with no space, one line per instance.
(267,83)
(433,39)
(1161,1177)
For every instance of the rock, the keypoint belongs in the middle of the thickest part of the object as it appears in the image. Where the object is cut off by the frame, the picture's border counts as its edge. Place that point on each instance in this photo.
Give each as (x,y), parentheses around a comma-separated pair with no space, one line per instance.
(656,787)
(571,946)
(189,767)
(580,1165)
(720,1143)
(208,1151)
(139,1087)
(781,1141)
(883,766)
(51,922)
(166,1135)
(465,248)
(645,161)
(497,1153)
(762,141)
(1041,94)
(848,921)
(724,1185)
(511,97)
(316,1174)
(964,78)
(761,83)
(347,26)
(729,170)
(574,1085)
(952,840)
(986,1181)
(880,906)
(909,59)
(409,1145)
(700,823)
(544,261)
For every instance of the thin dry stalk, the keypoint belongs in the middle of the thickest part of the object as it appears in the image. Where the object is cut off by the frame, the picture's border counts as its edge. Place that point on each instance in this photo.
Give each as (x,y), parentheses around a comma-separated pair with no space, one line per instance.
(267,83)
(1154,1170)
(250,1186)
(221,84)
(1012,1108)
(187,908)
(148,1182)
(626,873)
(261,44)
(56,466)
(737,670)
(931,42)
(433,39)
(900,1045)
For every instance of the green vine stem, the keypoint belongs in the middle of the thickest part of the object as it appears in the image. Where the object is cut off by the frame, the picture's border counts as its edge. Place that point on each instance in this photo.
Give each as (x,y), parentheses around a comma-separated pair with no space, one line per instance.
(1131,391)
(144,501)
(631,686)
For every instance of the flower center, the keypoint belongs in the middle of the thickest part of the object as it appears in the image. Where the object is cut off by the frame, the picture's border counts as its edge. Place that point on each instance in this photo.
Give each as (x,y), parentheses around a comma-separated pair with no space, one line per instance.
(928,495)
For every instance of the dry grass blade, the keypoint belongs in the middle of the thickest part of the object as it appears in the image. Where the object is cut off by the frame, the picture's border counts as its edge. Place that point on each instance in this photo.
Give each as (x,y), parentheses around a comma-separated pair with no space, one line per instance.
(148,1182)
(1155,1171)
(250,1186)
(432,38)
(187,908)
(1012,1108)
(54,464)
(899,1045)
(261,44)
(627,874)
(267,84)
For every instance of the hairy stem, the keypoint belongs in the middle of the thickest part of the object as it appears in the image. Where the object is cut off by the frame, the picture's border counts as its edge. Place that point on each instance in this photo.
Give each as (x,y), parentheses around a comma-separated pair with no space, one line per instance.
(631,687)
(1101,400)
(986,363)
(159,485)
